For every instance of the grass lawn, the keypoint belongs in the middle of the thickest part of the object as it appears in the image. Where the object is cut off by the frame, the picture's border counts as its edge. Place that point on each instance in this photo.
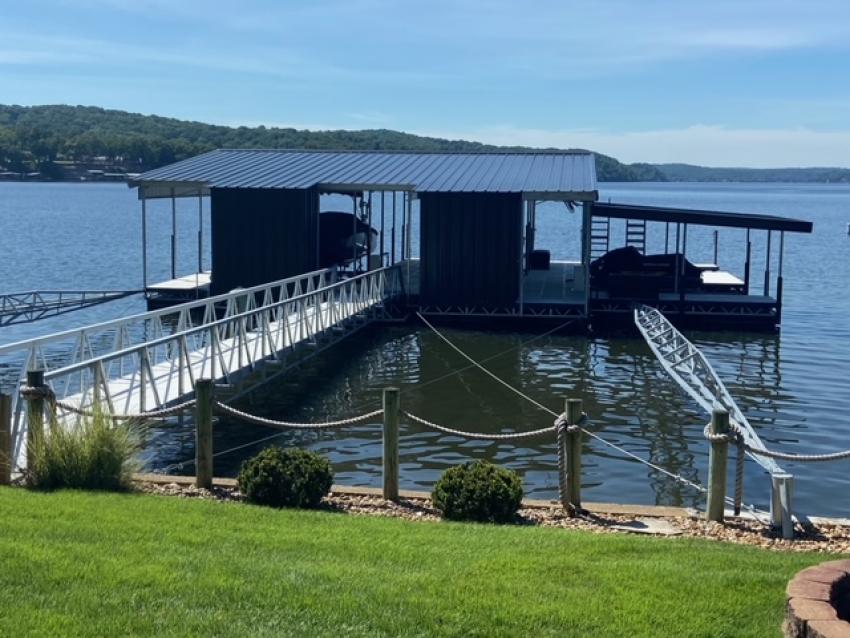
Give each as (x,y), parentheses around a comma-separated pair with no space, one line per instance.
(87,564)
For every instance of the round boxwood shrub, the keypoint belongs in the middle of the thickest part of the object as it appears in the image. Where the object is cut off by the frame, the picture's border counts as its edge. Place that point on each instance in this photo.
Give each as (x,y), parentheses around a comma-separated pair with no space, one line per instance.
(288,477)
(478,491)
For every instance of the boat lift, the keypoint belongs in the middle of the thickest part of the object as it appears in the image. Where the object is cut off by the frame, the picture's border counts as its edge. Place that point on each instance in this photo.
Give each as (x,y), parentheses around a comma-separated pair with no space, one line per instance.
(689,368)
(32,305)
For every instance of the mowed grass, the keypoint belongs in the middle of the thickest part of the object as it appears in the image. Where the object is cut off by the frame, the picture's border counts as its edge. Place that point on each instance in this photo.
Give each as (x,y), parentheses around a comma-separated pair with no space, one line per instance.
(97,564)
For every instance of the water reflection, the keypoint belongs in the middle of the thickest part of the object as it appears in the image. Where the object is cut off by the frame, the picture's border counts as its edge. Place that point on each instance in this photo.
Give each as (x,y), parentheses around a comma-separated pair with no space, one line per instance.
(630,400)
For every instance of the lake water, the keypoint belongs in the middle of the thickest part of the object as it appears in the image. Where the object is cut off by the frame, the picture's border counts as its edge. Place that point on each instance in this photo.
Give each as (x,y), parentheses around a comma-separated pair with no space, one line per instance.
(793,386)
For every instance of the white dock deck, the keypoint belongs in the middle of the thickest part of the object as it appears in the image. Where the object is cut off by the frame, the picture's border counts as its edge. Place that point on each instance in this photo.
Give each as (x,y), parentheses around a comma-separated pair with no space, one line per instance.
(187,283)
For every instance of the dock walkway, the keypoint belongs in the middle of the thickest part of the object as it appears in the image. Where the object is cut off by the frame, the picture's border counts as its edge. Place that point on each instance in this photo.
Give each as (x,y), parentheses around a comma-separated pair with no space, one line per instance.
(151,361)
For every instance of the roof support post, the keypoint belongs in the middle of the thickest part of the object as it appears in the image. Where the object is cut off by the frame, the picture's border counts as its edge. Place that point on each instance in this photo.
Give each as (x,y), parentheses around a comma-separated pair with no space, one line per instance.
(747,264)
(200,232)
(767,266)
(586,224)
(144,245)
(779,278)
(369,233)
(382,227)
(173,235)
(676,278)
(354,233)
(392,234)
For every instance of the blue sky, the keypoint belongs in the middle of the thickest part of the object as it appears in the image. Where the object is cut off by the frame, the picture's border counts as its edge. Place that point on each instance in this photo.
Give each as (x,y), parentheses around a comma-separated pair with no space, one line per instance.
(743,83)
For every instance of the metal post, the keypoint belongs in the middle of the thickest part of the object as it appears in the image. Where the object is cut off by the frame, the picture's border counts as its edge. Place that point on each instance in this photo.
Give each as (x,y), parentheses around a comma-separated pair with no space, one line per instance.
(144,244)
(676,278)
(717,461)
(587,249)
(392,239)
(716,233)
(173,236)
(403,223)
(666,237)
(779,277)
(200,233)
(391,412)
(767,266)
(747,265)
(35,414)
(383,193)
(369,234)
(573,410)
(6,452)
(204,397)
(781,495)
(354,233)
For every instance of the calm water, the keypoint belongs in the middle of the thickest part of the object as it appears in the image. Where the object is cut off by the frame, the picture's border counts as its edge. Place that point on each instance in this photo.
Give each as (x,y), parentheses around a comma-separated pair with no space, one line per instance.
(794,387)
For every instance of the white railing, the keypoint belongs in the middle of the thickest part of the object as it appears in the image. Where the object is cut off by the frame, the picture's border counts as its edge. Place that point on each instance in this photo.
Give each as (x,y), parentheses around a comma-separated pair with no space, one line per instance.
(151,360)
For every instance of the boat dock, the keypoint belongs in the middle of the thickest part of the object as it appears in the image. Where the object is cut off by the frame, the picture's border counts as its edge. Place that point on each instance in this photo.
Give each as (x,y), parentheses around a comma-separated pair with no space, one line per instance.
(479,257)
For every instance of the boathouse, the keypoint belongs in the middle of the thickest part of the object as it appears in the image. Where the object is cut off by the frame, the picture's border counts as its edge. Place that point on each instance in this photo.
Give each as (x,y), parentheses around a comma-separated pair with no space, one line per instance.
(463,229)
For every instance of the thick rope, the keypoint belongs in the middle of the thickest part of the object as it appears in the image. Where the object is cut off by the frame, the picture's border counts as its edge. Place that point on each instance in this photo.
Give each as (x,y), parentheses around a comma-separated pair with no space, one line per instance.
(507,436)
(273,423)
(152,414)
(46,393)
(735,434)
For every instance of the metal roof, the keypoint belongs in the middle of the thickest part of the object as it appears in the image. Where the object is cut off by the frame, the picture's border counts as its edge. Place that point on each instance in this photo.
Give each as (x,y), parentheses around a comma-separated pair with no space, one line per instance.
(555,174)
(702,217)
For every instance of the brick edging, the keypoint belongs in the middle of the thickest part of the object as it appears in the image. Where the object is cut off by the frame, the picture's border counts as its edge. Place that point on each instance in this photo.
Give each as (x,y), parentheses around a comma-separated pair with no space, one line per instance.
(818,602)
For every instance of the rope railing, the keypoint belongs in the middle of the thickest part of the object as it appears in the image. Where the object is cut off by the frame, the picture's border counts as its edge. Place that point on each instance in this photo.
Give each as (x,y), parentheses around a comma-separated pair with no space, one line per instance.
(736,436)
(289,425)
(485,436)
(46,393)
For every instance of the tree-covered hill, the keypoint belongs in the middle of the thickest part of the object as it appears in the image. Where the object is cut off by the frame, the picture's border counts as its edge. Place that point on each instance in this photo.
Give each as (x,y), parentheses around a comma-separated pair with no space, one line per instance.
(50,138)
(691,173)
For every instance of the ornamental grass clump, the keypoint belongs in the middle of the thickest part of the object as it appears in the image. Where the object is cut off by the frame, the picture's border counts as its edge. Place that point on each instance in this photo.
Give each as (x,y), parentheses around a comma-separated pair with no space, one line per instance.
(478,491)
(92,454)
(288,477)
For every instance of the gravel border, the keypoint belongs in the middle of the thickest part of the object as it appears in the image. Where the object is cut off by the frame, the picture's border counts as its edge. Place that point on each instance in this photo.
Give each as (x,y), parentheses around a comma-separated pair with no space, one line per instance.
(821,538)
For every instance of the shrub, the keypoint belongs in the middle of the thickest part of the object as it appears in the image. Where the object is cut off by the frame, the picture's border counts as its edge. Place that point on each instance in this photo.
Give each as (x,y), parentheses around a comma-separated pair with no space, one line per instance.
(478,491)
(93,454)
(285,478)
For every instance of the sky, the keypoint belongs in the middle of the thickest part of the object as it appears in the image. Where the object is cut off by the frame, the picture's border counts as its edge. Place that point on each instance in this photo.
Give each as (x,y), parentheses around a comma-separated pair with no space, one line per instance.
(720,83)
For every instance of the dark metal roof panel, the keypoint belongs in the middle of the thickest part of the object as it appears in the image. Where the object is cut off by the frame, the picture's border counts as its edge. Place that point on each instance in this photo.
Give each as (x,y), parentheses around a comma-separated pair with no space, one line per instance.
(702,217)
(562,172)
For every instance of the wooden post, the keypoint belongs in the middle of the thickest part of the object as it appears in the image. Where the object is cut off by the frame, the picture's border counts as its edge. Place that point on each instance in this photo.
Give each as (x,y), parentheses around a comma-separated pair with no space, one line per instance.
(6,452)
(717,461)
(204,397)
(35,413)
(391,411)
(573,410)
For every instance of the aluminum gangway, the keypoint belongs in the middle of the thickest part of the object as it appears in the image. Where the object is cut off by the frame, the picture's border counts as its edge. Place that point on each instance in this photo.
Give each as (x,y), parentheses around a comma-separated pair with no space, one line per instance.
(32,305)
(241,339)
(689,368)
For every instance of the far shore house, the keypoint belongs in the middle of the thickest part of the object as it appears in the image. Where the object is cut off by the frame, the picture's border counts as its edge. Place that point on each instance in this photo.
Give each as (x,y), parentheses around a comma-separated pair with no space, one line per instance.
(464,228)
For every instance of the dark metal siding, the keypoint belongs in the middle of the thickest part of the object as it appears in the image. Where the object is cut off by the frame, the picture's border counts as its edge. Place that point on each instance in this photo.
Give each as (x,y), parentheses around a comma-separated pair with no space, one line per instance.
(470,248)
(262,235)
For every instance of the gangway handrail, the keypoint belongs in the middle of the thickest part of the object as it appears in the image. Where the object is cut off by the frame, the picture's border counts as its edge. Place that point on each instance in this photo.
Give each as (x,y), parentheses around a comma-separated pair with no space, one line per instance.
(16,346)
(217,323)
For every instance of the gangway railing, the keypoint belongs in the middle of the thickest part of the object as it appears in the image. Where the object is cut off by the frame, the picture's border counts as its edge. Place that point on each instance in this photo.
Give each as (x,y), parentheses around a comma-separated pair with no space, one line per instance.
(32,305)
(151,360)
(689,368)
